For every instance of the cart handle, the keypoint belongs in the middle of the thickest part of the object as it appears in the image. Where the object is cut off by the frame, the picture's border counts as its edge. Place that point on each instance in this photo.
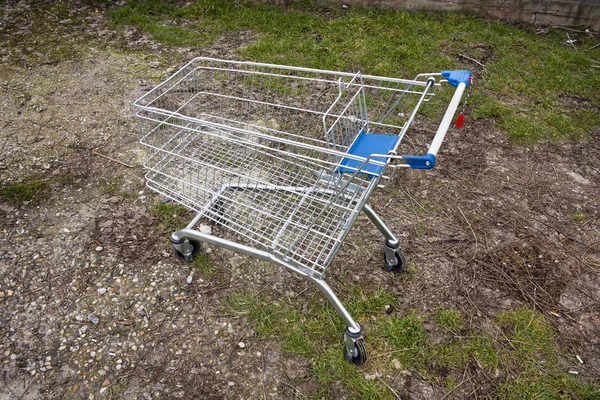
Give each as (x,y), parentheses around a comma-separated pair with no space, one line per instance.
(461,79)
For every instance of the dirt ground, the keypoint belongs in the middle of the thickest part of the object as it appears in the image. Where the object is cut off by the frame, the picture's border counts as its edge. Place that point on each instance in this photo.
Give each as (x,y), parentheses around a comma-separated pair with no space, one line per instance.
(93,304)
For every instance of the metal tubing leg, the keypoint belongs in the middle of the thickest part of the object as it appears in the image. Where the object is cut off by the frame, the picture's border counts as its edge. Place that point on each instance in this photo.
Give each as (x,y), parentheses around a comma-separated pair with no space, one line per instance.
(391,239)
(352,326)
(353,334)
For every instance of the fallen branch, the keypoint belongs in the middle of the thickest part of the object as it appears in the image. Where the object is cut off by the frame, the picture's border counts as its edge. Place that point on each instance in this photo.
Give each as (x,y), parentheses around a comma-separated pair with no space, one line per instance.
(571,42)
(112,159)
(593,47)
(472,59)
(49,13)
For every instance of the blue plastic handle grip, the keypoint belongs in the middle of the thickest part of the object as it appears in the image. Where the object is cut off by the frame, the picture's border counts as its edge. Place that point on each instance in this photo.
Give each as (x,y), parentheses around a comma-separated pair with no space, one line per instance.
(458,76)
(420,162)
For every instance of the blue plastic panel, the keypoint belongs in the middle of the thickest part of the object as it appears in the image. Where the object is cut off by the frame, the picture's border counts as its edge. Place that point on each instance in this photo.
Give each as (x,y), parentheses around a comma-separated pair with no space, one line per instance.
(458,76)
(365,145)
(420,162)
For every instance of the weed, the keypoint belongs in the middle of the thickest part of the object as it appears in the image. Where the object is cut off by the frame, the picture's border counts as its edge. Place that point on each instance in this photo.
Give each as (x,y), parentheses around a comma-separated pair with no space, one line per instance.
(170,216)
(448,318)
(578,216)
(113,186)
(203,264)
(66,179)
(407,339)
(25,192)
(530,335)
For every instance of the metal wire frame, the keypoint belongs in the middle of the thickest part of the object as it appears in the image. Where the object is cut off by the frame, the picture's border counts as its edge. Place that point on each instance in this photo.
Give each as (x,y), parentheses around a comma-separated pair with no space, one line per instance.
(256,148)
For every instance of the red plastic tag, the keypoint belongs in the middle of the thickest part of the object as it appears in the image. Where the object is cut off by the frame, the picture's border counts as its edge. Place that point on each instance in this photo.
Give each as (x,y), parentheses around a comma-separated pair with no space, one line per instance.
(460,120)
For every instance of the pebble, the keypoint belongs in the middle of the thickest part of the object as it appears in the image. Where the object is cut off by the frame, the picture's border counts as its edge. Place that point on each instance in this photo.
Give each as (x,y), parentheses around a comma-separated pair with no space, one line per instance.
(119,366)
(99,248)
(105,383)
(189,279)
(206,229)
(10,292)
(93,319)
(13,356)
(230,383)
(241,345)
(101,290)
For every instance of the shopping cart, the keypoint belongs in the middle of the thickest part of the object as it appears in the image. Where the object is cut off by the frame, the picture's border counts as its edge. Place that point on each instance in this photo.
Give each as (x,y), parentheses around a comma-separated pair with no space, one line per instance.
(284,159)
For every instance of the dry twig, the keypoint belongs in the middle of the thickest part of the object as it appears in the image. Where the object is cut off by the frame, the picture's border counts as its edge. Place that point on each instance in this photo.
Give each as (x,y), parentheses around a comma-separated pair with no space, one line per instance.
(472,59)
(112,159)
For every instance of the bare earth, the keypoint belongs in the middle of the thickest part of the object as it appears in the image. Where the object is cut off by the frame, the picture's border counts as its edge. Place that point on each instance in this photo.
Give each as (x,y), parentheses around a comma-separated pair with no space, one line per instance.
(93,304)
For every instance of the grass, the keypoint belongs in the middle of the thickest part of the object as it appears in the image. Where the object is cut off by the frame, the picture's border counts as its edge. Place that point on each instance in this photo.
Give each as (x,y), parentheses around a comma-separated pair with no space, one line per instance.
(524,354)
(25,192)
(170,216)
(555,96)
(203,264)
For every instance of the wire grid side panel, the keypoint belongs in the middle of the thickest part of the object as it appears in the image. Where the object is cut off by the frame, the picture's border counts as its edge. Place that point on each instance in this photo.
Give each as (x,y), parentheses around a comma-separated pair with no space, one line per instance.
(281,197)
(278,101)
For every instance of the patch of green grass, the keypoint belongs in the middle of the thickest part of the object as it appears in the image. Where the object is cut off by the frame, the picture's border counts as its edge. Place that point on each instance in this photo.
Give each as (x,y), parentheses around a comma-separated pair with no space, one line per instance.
(578,216)
(66,179)
(112,187)
(525,354)
(19,193)
(449,319)
(530,104)
(555,386)
(407,340)
(530,336)
(170,216)
(317,333)
(203,264)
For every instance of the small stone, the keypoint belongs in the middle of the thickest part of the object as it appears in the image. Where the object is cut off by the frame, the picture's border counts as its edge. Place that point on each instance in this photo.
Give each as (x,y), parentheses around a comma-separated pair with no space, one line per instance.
(10,292)
(105,383)
(83,329)
(119,361)
(178,352)
(99,248)
(206,229)
(13,356)
(230,383)
(75,388)
(93,319)
(119,366)
(101,290)
(397,364)
(189,279)
(2,294)
(141,312)
(241,345)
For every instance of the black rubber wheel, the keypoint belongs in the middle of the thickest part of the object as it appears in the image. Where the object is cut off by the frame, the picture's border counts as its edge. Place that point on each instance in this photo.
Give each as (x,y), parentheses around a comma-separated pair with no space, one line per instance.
(401,263)
(218,212)
(360,353)
(195,249)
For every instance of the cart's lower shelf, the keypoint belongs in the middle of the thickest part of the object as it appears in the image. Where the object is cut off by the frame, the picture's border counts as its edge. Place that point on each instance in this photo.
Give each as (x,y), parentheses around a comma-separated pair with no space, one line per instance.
(279,203)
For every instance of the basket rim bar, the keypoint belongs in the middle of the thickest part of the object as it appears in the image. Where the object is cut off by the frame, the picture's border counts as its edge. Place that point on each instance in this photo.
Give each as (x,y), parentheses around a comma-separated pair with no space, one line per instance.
(137,103)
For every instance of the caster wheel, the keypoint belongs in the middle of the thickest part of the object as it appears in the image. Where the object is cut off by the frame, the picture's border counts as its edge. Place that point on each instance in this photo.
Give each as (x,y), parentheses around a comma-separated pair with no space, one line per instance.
(401,263)
(195,249)
(218,212)
(360,353)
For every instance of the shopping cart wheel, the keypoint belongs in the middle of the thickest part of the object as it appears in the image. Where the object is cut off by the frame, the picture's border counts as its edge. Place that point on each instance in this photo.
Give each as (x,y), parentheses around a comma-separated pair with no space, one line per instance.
(195,249)
(399,266)
(360,353)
